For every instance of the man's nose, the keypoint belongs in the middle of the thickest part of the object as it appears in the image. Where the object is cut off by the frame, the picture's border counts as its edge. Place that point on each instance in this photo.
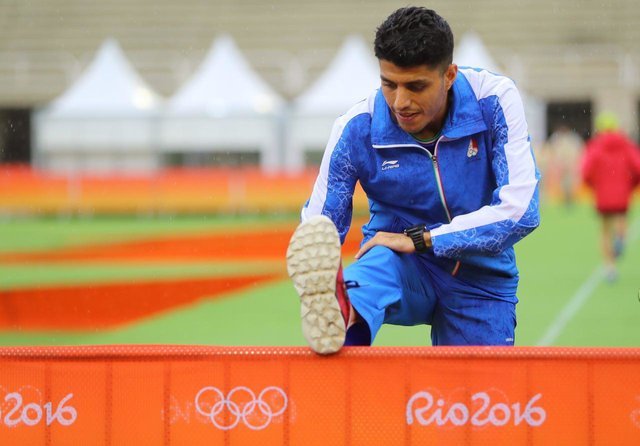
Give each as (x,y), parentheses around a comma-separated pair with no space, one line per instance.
(402,99)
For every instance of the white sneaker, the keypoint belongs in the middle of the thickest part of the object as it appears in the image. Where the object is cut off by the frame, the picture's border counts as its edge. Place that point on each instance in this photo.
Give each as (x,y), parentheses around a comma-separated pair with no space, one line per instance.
(315,267)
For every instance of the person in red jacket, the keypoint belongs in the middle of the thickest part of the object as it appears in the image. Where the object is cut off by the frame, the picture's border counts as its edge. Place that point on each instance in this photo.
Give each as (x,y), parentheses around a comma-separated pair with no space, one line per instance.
(611,168)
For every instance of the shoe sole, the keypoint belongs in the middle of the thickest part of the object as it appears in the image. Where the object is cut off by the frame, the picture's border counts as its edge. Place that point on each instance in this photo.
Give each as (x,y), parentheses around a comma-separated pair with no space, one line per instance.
(313,260)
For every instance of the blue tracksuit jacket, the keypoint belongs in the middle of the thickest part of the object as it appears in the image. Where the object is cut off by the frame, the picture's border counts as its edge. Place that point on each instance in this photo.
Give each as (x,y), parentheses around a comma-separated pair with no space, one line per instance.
(478,193)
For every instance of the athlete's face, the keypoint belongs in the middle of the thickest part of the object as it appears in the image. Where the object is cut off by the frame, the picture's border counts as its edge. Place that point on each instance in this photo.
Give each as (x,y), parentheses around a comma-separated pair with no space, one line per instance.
(417,96)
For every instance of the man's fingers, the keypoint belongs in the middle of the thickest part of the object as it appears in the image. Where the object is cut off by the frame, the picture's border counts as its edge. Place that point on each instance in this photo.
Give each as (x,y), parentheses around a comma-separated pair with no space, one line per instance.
(364,248)
(397,242)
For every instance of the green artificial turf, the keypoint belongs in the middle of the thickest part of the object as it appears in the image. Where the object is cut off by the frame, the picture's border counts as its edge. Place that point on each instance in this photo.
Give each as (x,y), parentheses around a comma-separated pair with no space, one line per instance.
(555,262)
(49,233)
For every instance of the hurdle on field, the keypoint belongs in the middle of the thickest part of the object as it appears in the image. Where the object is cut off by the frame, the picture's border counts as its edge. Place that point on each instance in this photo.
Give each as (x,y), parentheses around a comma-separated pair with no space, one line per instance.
(187,395)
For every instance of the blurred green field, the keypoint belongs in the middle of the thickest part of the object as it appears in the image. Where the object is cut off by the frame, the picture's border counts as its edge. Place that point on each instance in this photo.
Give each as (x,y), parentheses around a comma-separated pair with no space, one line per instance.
(563,299)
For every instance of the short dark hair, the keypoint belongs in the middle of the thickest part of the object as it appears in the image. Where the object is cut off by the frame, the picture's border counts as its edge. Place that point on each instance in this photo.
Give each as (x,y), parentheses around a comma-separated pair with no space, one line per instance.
(414,36)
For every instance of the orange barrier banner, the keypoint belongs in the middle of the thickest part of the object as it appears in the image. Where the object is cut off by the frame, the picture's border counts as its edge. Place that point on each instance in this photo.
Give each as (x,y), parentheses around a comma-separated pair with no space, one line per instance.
(190,395)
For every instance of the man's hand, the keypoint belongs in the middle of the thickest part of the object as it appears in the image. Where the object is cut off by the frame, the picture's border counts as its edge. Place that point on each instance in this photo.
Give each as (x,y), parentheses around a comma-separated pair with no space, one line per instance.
(392,240)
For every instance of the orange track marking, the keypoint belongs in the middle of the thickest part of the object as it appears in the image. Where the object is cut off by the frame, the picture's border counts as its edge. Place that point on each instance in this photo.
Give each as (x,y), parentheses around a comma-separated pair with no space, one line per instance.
(104,305)
(250,245)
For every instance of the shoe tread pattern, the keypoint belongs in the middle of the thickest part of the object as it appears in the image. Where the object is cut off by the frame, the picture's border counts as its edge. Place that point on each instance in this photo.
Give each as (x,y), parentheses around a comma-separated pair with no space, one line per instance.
(313,260)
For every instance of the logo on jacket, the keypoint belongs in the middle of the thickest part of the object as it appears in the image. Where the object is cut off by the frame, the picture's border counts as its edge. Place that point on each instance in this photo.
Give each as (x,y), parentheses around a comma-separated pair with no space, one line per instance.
(473,148)
(390,164)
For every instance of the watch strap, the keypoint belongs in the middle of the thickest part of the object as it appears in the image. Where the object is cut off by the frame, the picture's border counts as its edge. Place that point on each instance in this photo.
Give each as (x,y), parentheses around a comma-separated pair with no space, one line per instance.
(416,234)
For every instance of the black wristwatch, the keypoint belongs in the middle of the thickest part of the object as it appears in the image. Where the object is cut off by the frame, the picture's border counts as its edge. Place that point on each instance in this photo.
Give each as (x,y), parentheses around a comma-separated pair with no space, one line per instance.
(416,233)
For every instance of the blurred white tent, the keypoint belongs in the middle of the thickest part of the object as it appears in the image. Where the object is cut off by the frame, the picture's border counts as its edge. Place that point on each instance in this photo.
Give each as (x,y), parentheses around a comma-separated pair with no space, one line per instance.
(471,52)
(104,122)
(350,77)
(224,108)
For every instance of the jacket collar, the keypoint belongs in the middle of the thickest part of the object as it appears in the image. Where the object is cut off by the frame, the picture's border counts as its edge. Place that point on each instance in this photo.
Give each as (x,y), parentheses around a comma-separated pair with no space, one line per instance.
(464,118)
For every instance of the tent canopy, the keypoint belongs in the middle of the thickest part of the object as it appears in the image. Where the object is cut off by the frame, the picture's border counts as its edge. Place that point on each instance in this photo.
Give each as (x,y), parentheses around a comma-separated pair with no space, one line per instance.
(110,86)
(350,77)
(224,84)
(471,52)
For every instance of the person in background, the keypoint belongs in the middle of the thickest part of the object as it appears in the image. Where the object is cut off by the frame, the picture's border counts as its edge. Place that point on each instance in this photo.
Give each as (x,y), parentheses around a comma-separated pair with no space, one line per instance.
(444,157)
(565,147)
(611,168)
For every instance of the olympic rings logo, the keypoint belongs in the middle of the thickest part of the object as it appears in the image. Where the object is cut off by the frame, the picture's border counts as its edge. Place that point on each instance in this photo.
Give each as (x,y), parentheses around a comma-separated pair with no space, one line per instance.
(241,405)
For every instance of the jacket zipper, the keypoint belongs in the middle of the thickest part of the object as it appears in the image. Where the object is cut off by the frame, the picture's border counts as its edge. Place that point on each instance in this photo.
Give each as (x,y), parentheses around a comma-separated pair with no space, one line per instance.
(443,200)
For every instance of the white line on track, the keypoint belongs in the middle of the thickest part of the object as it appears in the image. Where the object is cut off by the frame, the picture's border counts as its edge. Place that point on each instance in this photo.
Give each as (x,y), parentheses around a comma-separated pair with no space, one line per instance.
(581,296)
(572,307)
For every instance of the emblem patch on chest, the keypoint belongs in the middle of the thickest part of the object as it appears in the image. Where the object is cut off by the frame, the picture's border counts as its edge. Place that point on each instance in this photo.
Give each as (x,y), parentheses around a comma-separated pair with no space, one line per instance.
(390,164)
(473,148)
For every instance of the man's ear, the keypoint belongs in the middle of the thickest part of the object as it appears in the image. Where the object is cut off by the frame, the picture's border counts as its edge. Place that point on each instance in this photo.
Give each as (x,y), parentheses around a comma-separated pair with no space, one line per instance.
(450,75)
